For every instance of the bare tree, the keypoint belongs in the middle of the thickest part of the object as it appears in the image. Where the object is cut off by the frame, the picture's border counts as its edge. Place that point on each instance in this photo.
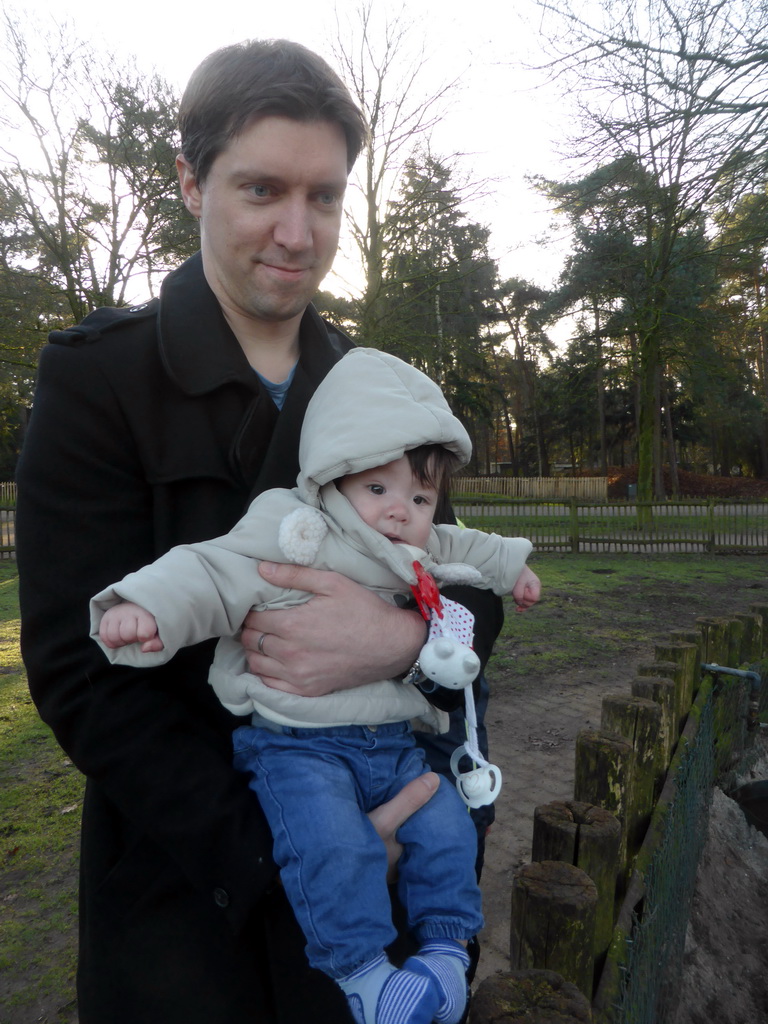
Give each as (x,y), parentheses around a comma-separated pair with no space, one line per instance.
(679,86)
(385,65)
(87,168)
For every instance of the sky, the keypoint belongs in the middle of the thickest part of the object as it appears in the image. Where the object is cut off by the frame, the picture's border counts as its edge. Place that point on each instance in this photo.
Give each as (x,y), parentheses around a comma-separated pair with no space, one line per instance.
(506,120)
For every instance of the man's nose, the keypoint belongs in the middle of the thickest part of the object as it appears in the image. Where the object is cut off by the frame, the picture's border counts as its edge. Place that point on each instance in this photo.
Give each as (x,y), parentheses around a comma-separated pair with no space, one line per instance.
(293,228)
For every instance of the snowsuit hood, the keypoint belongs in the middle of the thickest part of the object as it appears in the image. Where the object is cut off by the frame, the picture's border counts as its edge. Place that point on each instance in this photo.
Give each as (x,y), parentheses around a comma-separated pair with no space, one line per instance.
(369,410)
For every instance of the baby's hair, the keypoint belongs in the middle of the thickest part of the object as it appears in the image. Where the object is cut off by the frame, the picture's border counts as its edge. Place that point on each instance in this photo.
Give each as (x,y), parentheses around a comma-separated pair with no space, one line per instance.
(434,466)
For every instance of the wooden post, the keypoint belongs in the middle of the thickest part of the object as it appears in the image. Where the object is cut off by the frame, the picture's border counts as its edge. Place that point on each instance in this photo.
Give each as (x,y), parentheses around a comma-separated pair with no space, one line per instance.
(687,636)
(529,997)
(639,721)
(752,647)
(553,921)
(604,768)
(762,611)
(590,838)
(658,669)
(711,525)
(574,519)
(736,630)
(662,691)
(730,692)
(685,657)
(714,637)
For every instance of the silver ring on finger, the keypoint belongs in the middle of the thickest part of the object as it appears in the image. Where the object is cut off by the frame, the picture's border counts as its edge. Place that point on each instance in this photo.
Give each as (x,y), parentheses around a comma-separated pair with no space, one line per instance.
(260,644)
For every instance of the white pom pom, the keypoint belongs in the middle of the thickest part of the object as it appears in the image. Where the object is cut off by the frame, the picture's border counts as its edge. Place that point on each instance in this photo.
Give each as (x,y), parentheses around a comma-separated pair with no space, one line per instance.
(301,534)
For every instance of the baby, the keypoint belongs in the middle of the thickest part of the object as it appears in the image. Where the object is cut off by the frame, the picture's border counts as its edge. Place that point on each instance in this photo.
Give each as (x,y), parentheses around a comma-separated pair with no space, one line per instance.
(378,446)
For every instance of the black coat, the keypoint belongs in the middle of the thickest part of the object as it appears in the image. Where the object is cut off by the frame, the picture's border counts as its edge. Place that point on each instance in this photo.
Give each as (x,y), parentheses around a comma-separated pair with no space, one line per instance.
(150,429)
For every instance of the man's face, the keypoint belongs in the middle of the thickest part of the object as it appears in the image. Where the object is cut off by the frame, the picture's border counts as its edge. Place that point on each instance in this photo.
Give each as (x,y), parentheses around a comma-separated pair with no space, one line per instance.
(270,213)
(393,501)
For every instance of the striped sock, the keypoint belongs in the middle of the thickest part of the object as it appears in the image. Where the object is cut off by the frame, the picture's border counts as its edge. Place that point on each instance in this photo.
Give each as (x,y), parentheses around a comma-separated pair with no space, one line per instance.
(446,963)
(378,993)
(407,997)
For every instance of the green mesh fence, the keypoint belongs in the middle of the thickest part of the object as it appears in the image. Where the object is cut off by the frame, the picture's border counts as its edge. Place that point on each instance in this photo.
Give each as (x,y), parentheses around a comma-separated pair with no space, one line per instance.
(719,747)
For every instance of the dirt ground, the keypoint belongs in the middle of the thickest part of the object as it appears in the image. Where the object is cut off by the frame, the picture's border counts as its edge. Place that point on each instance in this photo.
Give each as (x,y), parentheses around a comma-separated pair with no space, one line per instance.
(538,705)
(533,722)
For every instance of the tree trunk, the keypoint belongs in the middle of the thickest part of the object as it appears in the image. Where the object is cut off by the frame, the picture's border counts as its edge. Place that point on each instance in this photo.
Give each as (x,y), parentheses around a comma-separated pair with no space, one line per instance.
(659,490)
(762,373)
(670,439)
(648,351)
(600,384)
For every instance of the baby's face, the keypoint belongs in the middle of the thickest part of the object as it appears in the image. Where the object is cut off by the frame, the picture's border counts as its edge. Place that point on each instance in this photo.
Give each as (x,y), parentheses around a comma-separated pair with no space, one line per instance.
(393,501)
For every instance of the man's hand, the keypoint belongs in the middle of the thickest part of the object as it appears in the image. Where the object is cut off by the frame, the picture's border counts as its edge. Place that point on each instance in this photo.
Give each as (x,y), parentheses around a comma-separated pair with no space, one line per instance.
(344,636)
(388,818)
(527,589)
(128,623)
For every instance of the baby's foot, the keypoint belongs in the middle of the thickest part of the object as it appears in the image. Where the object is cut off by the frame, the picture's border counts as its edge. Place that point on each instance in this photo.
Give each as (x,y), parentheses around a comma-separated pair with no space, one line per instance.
(446,963)
(379,993)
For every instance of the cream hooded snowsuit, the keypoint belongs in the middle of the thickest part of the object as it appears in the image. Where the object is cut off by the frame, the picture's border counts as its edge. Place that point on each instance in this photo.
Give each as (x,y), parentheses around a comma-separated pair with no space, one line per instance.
(369,410)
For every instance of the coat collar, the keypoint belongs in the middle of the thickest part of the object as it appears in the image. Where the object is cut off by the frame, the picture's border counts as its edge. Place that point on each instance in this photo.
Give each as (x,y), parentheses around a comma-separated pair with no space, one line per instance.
(200,351)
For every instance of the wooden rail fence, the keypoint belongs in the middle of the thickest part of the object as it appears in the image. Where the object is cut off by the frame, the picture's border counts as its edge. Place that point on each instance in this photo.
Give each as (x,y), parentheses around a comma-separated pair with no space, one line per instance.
(580,526)
(589,488)
(574,524)
(578,906)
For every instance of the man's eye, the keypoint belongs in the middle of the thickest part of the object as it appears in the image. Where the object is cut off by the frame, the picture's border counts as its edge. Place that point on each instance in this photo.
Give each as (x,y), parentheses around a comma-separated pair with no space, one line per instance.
(328,198)
(260,191)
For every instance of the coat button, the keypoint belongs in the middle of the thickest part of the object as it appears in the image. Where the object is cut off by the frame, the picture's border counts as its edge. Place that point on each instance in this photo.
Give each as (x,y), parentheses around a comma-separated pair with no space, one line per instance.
(221,898)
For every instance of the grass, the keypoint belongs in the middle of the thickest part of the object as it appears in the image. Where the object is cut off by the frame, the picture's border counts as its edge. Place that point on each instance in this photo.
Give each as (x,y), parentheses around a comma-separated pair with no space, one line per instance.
(40,799)
(605,605)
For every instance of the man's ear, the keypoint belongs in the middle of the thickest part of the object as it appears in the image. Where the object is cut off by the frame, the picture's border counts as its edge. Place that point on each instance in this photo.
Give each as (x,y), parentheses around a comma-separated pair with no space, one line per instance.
(190,191)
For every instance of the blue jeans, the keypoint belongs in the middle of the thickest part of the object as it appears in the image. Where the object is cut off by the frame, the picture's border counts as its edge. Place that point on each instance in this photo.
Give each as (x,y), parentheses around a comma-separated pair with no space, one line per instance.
(316,787)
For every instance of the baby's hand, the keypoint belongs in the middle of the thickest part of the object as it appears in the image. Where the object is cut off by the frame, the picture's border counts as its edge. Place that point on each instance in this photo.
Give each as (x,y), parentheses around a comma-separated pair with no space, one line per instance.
(128,623)
(527,589)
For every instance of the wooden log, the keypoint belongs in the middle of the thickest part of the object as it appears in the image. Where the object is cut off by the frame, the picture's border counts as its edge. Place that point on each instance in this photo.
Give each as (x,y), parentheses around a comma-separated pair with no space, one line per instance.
(657,669)
(685,636)
(603,777)
(720,649)
(529,997)
(553,921)
(663,670)
(639,721)
(731,700)
(736,630)
(590,838)
(685,658)
(556,831)
(762,611)
(688,636)
(662,691)
(752,647)
(714,640)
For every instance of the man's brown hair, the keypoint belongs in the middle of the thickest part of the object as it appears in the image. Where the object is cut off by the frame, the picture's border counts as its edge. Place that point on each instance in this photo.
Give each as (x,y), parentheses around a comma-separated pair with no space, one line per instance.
(261,78)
